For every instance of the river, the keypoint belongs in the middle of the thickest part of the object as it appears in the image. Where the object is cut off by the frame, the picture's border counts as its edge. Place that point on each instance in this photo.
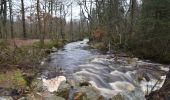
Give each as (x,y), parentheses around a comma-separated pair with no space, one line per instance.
(111,75)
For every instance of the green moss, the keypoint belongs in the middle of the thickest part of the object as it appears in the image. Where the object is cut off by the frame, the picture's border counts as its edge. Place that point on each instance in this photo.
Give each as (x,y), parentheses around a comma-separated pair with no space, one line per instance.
(12,78)
(18,78)
(2,77)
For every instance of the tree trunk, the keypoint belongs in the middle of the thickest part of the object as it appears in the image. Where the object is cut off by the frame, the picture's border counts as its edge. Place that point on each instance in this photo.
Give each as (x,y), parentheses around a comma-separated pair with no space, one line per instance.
(23,19)
(61,23)
(51,20)
(11,18)
(4,18)
(1,10)
(71,23)
(39,23)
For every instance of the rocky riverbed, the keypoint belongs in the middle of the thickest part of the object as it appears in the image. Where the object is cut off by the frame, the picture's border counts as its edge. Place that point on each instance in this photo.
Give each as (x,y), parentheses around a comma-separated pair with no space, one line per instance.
(79,73)
(94,75)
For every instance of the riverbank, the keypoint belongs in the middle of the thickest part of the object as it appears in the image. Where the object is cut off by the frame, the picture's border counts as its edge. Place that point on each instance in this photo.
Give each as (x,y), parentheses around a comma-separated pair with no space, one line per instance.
(20,63)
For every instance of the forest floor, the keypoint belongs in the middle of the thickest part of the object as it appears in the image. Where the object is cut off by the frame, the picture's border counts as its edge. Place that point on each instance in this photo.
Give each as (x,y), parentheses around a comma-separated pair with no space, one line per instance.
(22,42)
(15,48)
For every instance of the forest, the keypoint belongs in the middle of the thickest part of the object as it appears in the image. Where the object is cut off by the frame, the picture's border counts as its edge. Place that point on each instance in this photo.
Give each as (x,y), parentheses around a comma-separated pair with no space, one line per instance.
(69,49)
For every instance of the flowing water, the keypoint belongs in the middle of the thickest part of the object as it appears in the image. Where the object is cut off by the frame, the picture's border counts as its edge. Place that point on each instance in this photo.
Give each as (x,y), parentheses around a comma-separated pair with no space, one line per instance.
(107,73)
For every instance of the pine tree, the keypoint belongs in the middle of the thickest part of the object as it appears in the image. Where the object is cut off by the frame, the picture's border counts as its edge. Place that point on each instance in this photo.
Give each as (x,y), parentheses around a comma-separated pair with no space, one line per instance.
(153,37)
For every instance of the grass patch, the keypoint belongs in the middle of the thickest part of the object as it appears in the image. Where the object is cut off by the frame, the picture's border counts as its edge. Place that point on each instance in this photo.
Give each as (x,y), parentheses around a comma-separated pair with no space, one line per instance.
(48,44)
(25,55)
(12,78)
(2,77)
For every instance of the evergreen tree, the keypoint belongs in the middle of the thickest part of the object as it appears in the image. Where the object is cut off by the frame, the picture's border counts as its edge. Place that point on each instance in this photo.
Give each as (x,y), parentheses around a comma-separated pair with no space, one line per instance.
(153,34)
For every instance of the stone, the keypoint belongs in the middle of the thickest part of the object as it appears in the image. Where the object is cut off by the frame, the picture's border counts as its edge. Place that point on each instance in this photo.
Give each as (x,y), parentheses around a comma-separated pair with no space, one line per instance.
(6,98)
(80,96)
(91,92)
(22,98)
(100,98)
(53,84)
(54,49)
(63,90)
(53,97)
(63,85)
(117,97)
(64,93)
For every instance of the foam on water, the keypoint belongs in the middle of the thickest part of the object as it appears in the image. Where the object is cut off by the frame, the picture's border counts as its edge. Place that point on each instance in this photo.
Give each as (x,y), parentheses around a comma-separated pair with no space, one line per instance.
(98,79)
(124,76)
(105,91)
(122,86)
(148,86)
(164,68)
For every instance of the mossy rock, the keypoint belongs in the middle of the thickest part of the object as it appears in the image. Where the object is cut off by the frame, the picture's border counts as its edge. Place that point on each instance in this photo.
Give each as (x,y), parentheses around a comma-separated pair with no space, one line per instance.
(117,97)
(100,98)
(91,92)
(80,96)
(63,90)
(63,93)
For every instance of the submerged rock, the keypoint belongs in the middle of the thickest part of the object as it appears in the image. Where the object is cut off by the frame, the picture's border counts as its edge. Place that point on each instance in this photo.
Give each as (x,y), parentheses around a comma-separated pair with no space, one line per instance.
(137,94)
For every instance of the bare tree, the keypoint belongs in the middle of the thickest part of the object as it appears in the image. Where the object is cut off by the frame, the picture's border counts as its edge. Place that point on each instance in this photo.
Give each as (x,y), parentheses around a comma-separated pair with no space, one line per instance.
(39,23)
(71,22)
(11,18)
(3,14)
(133,10)
(23,19)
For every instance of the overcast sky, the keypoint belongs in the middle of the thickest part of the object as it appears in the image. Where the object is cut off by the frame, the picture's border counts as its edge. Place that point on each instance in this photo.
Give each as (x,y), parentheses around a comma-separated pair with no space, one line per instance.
(76,8)
(17,5)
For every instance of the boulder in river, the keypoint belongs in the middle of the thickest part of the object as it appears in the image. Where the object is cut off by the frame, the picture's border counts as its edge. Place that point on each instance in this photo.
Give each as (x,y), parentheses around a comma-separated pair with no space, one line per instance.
(53,84)
(63,90)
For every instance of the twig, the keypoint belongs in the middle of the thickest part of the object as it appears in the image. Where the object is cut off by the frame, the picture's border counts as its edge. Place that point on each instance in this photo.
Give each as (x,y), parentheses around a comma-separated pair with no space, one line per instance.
(154,86)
